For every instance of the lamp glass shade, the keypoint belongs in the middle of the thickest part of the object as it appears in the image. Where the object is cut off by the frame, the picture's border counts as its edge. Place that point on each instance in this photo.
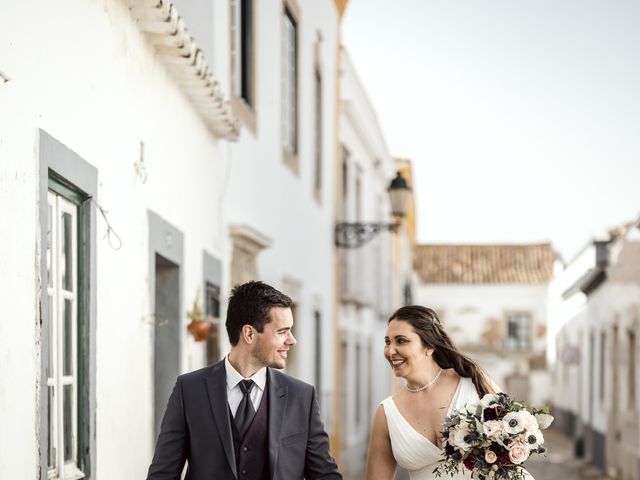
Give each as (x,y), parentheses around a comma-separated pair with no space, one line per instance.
(399,195)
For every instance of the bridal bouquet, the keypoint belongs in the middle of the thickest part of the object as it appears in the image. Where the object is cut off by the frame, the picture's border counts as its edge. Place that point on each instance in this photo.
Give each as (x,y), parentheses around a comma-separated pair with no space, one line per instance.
(492,438)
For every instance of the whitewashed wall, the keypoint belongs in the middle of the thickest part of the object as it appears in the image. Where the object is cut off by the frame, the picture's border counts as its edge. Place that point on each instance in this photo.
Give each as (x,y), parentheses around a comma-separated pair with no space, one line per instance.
(82,71)
(89,79)
(593,375)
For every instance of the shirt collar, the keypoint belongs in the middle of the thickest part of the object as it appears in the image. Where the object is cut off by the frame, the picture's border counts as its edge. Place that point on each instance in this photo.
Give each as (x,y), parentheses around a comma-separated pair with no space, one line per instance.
(234,377)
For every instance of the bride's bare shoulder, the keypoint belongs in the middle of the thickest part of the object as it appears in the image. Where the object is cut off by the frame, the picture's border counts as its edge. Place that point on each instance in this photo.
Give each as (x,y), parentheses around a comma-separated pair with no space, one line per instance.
(450,379)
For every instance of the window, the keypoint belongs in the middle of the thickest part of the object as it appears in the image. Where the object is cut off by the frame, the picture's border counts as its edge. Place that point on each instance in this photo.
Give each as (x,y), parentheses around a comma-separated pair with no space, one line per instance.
(631,381)
(345,179)
(357,386)
(289,86)
(317,319)
(212,311)
(64,362)
(518,331)
(66,415)
(344,404)
(317,182)
(242,50)
(407,294)
(358,194)
(603,340)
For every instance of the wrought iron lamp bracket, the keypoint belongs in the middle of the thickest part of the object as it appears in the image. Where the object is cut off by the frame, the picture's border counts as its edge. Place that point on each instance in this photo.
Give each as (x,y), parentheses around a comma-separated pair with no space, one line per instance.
(354,235)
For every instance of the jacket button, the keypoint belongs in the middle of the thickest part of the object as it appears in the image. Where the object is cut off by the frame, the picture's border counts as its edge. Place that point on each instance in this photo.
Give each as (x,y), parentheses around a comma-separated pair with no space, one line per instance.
(244,449)
(243,472)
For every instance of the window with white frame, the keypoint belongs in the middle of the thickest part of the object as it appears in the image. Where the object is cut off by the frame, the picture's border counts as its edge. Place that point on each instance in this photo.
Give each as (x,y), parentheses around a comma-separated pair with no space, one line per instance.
(357,385)
(518,331)
(317,370)
(242,50)
(289,83)
(631,380)
(317,177)
(62,364)
(603,347)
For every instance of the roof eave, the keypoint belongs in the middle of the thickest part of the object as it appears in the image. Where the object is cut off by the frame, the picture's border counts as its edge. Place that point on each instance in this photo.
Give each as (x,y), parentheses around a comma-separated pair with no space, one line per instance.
(165,30)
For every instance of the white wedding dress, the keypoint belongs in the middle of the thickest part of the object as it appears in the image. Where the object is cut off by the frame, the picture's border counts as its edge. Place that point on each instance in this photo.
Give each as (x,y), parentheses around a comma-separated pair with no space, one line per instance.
(411,449)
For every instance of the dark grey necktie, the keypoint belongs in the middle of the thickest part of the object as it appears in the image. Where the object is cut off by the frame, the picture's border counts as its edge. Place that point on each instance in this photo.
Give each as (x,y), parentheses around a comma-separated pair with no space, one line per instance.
(245,412)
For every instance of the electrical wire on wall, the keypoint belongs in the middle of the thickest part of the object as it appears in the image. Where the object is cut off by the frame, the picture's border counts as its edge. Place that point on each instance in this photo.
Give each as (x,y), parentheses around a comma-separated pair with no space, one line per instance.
(113,239)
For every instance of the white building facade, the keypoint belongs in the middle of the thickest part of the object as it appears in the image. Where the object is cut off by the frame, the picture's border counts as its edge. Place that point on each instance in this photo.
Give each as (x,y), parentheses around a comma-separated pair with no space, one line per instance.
(153,153)
(371,276)
(596,373)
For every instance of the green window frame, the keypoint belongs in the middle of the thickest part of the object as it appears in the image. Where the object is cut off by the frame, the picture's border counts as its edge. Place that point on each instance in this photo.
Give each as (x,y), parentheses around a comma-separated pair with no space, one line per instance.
(67,314)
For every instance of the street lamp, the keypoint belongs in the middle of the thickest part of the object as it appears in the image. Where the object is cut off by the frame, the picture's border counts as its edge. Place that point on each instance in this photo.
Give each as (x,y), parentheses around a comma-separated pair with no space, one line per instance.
(354,235)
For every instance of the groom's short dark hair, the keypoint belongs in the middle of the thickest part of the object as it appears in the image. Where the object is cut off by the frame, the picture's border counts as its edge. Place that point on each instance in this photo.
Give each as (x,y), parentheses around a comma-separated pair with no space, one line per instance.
(250,304)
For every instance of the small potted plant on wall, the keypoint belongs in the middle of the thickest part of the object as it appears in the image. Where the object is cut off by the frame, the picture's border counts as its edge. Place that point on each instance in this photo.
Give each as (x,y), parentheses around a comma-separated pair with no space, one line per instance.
(199,326)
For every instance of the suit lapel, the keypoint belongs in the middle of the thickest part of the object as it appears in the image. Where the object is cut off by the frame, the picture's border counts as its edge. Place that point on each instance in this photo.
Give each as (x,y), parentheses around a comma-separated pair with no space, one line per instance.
(217,389)
(277,412)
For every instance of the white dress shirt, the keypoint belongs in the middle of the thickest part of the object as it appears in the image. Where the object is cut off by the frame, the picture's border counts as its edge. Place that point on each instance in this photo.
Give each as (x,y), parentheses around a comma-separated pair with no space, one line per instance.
(234,394)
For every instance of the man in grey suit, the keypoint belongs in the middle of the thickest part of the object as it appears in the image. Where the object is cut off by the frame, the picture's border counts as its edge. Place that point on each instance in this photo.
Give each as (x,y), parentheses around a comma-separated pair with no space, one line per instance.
(242,418)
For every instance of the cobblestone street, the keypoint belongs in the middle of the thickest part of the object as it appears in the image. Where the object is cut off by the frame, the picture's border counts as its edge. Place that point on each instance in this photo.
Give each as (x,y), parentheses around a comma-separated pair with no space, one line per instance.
(560,462)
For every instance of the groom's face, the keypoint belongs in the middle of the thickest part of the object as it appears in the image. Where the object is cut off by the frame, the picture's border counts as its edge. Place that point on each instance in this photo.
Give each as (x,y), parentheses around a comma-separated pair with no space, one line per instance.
(273,344)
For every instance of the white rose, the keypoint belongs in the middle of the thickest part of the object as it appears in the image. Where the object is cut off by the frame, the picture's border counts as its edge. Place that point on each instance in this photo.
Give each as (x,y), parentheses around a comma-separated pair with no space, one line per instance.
(471,407)
(518,452)
(528,421)
(544,420)
(490,456)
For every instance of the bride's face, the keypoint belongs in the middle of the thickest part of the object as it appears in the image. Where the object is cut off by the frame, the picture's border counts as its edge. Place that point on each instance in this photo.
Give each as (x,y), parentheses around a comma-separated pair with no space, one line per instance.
(404,350)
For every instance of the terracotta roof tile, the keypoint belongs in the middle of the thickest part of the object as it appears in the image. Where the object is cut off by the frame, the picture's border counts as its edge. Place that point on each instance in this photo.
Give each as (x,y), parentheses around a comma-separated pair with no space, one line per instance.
(485,263)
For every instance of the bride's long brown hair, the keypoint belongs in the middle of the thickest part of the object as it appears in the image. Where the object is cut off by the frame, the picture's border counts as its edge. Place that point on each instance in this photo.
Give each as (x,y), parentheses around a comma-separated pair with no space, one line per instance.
(427,325)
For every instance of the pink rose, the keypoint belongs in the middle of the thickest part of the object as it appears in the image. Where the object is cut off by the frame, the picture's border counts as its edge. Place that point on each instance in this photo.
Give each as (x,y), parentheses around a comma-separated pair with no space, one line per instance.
(494,429)
(518,452)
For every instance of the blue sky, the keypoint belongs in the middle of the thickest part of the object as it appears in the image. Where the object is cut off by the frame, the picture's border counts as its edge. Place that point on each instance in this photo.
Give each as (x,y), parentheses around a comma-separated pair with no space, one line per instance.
(522,117)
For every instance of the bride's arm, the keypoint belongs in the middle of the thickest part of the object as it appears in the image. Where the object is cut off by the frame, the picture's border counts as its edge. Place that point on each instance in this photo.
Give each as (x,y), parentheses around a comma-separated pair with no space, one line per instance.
(380,462)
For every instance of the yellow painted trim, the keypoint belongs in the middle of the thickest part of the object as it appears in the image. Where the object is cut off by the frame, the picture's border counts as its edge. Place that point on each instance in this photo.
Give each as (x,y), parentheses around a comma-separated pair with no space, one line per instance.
(336,432)
(341,6)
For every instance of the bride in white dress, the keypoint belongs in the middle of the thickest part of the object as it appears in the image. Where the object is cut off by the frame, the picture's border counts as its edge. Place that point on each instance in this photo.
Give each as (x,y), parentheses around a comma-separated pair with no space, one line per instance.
(406,426)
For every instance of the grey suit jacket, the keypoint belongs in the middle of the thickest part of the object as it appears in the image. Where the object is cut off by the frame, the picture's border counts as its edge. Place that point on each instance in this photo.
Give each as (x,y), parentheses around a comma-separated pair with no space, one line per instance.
(196,428)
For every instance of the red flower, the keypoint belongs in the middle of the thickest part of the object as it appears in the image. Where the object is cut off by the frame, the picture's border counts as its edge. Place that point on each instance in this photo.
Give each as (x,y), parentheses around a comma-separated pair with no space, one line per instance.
(490,413)
(470,462)
(503,459)
(493,412)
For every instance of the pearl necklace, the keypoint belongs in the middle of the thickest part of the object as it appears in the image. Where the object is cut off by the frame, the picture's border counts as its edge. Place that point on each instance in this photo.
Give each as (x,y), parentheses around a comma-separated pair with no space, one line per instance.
(420,389)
